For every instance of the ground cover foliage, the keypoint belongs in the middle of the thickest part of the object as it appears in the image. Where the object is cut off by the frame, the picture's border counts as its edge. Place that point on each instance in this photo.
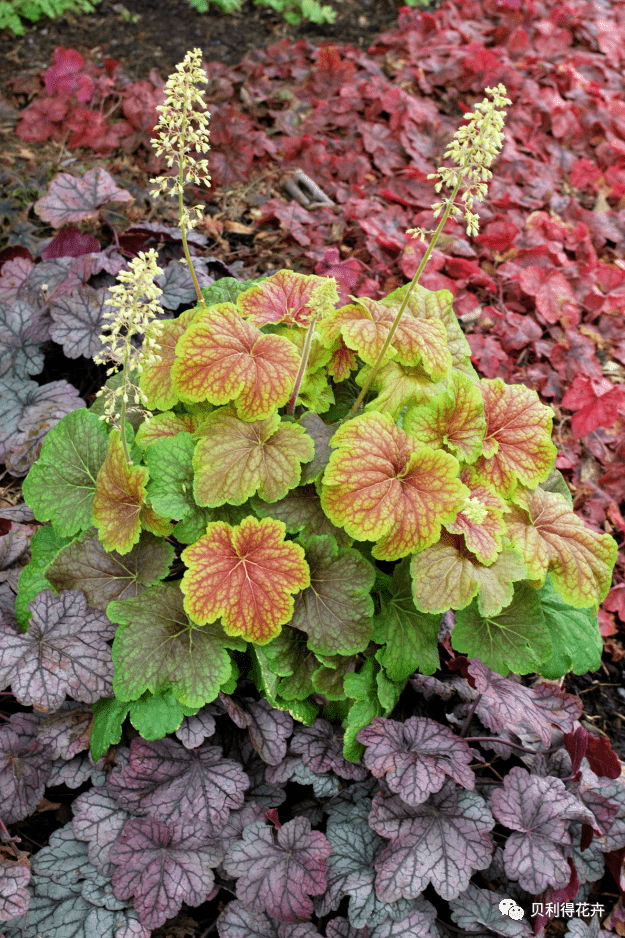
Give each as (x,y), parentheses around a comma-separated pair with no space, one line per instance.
(282,819)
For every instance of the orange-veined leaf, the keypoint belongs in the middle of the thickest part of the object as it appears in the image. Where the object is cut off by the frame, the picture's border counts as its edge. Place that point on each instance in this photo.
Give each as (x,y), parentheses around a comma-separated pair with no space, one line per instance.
(288,297)
(246,575)
(235,458)
(164,425)
(382,486)
(454,419)
(221,358)
(398,385)
(517,446)
(343,360)
(155,380)
(551,537)
(446,576)
(365,326)
(480,519)
(119,496)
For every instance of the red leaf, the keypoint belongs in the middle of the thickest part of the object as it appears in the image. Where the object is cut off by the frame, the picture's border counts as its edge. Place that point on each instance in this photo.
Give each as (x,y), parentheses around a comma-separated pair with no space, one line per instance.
(63,78)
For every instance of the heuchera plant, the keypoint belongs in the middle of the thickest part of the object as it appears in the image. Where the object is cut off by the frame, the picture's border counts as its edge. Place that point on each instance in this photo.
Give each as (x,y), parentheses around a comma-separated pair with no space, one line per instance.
(310,496)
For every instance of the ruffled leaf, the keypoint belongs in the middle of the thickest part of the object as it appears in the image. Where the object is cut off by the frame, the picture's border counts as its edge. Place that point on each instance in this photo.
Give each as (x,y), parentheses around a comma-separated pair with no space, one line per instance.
(157,647)
(517,446)
(481,519)
(336,609)
(156,378)
(278,872)
(454,418)
(515,639)
(381,486)
(446,576)
(577,641)
(222,358)
(235,459)
(551,537)
(60,486)
(245,574)
(119,496)
(288,297)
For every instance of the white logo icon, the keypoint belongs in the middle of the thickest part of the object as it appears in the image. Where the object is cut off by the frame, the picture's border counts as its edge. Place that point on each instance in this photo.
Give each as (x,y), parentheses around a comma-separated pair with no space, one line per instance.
(509,907)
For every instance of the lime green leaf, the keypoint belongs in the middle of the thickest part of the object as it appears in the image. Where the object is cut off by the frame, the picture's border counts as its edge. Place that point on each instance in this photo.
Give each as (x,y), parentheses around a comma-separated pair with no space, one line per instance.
(106,731)
(45,544)
(366,324)
(166,425)
(517,639)
(222,358)
(454,418)
(363,689)
(266,681)
(157,648)
(517,445)
(156,379)
(577,642)
(227,289)
(426,304)
(328,679)
(551,537)
(289,657)
(61,484)
(119,496)
(445,576)
(381,486)
(234,459)
(170,463)
(480,519)
(245,574)
(397,386)
(409,636)
(155,715)
(336,609)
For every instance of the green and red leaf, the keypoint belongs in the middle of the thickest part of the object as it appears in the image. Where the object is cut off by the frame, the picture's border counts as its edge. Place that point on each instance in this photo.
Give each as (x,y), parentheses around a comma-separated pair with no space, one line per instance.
(221,358)
(119,497)
(288,297)
(397,386)
(234,458)
(517,445)
(246,575)
(446,576)
(380,485)
(481,519)
(551,537)
(366,324)
(156,381)
(453,419)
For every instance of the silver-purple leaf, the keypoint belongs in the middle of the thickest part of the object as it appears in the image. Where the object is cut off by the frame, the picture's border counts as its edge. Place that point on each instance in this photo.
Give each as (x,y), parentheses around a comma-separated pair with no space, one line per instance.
(238,922)
(441,842)
(67,731)
(161,866)
(269,728)
(538,811)
(177,284)
(194,730)
(419,923)
(414,757)
(168,782)
(477,910)
(20,339)
(73,199)
(78,320)
(25,766)
(14,894)
(341,928)
(63,652)
(278,872)
(98,820)
(321,748)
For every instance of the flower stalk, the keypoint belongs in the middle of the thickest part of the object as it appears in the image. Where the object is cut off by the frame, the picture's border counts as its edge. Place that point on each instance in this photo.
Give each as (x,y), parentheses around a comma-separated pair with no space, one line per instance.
(135,306)
(473,149)
(182,130)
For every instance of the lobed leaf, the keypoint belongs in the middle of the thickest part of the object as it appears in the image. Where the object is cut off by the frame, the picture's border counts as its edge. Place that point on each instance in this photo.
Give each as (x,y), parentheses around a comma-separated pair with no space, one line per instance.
(517,445)
(222,358)
(454,418)
(246,574)
(119,497)
(381,486)
(551,537)
(288,297)
(60,487)
(25,766)
(157,647)
(235,459)
(277,874)
(156,379)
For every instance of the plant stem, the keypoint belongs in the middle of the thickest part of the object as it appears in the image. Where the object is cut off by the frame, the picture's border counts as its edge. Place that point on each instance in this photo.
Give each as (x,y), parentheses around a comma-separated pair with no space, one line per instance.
(303,364)
(506,742)
(378,364)
(123,412)
(465,728)
(184,241)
